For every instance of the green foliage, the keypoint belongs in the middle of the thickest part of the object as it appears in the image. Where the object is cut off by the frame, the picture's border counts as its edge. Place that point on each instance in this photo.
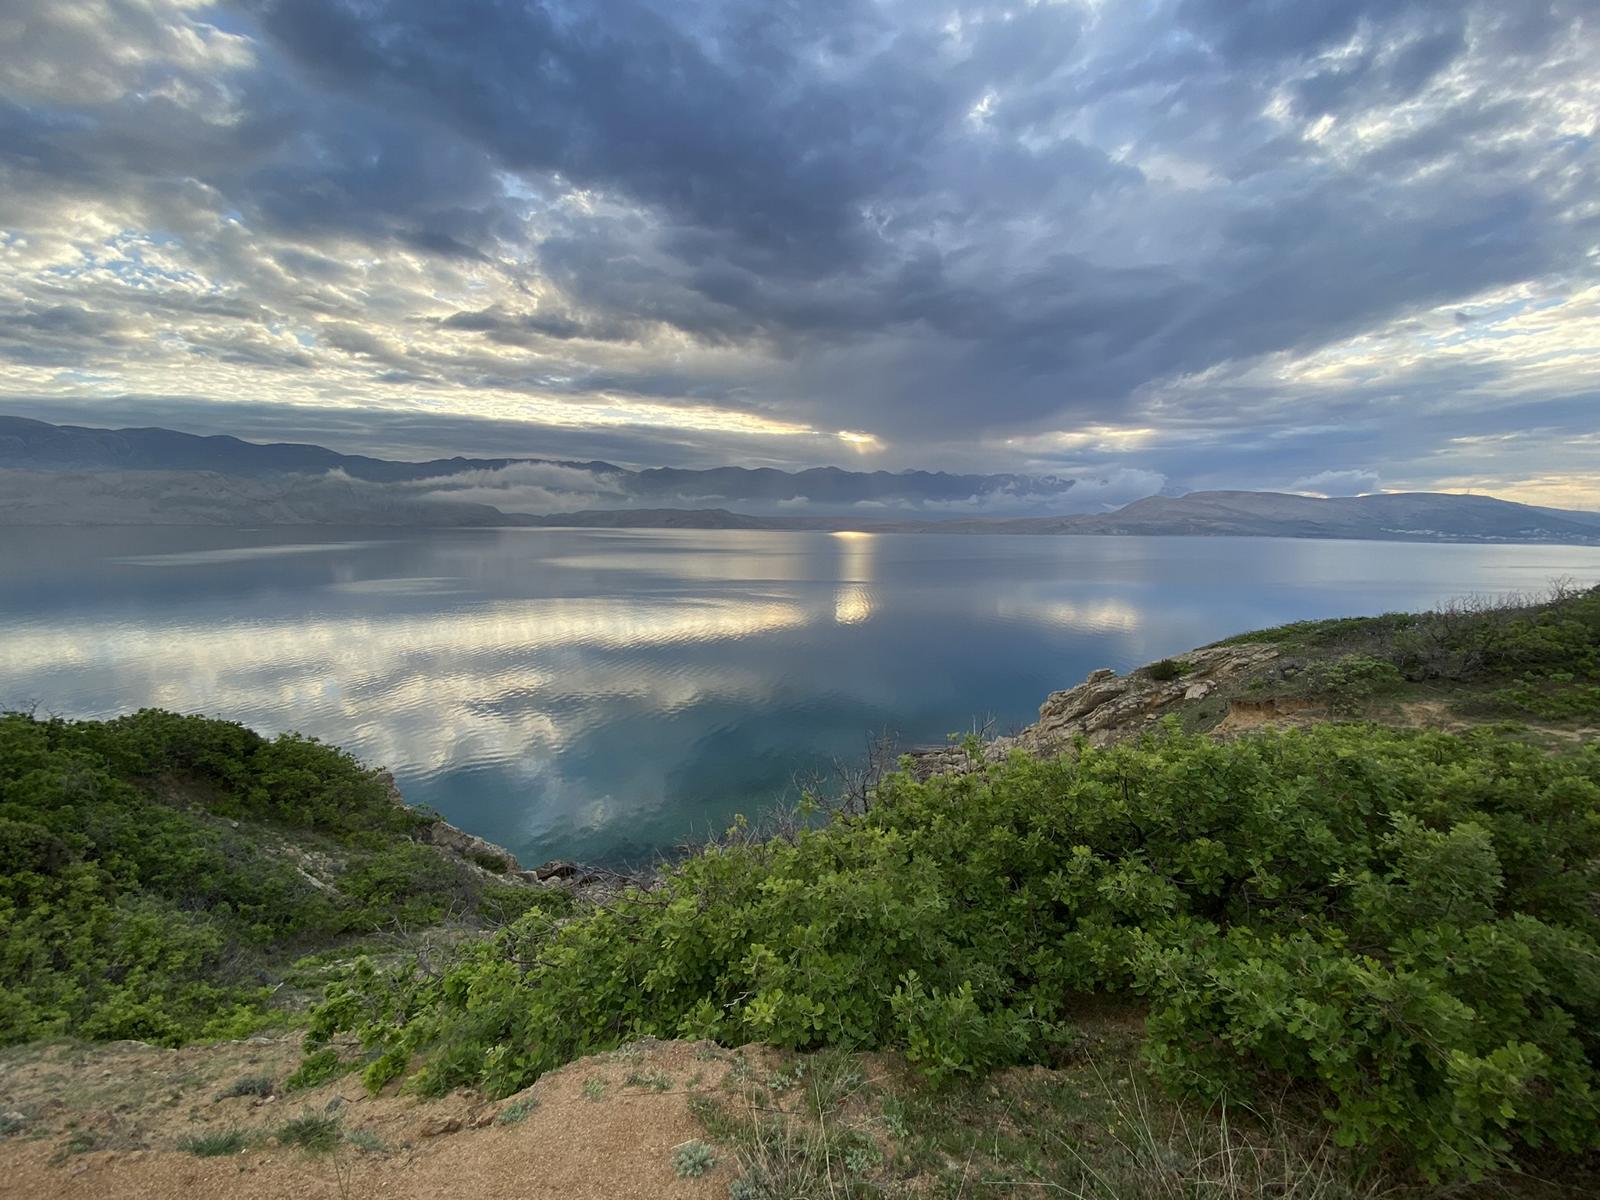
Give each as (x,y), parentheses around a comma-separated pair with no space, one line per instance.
(412,883)
(1554,697)
(488,861)
(316,1069)
(1404,922)
(948,1033)
(1558,636)
(1337,631)
(149,872)
(1166,670)
(1349,682)
(1527,659)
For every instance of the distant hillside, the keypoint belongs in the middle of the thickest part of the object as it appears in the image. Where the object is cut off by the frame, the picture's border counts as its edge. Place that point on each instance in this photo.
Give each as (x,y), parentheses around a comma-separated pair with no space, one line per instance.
(207,498)
(39,446)
(1406,516)
(71,475)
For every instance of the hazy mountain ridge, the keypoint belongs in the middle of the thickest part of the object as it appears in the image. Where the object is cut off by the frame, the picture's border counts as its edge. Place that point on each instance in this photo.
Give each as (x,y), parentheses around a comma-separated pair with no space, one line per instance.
(209,498)
(72,475)
(1405,516)
(37,445)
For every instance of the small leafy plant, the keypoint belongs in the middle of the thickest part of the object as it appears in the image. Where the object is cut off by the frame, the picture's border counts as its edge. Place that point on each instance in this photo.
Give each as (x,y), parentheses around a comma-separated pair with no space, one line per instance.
(517,1111)
(693,1159)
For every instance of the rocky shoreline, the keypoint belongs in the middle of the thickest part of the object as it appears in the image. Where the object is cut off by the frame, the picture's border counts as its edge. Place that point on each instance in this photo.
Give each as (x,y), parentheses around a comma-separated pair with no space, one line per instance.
(1107,707)
(496,861)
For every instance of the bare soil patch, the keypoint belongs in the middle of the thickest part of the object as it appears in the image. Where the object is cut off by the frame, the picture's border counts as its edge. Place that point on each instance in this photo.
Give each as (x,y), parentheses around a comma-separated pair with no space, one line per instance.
(110,1121)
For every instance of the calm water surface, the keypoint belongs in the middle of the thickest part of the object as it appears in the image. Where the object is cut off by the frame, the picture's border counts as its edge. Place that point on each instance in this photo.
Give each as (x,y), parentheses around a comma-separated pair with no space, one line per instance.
(602,694)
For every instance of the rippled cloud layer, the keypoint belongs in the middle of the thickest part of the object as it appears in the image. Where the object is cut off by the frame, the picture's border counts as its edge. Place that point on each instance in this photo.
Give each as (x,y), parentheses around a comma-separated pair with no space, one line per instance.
(1336,246)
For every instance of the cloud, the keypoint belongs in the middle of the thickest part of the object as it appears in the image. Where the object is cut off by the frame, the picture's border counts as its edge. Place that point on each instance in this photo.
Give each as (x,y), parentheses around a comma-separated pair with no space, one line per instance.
(1350,482)
(681,232)
(529,488)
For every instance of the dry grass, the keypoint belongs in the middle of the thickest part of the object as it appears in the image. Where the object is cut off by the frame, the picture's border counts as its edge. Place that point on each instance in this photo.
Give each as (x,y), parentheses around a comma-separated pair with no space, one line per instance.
(845,1126)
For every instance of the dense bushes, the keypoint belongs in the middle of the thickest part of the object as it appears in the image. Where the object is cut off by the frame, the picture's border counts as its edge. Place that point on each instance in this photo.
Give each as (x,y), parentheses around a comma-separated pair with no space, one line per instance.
(1517,659)
(150,871)
(1404,922)
(1350,681)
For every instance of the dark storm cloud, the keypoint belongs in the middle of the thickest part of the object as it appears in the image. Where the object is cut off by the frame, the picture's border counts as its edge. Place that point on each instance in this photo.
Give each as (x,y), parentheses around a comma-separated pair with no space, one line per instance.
(717,122)
(958,229)
(405,435)
(60,335)
(528,328)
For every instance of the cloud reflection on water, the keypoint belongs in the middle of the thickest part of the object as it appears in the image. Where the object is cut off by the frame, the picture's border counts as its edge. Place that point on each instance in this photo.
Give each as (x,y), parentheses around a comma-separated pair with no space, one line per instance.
(587,693)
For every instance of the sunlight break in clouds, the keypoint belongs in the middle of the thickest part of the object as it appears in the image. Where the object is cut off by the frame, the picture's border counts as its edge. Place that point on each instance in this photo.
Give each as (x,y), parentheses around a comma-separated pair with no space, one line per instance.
(1202,244)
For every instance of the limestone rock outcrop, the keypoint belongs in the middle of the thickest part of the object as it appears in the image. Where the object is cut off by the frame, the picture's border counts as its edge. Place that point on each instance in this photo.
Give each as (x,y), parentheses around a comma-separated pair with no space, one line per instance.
(1106,706)
(469,847)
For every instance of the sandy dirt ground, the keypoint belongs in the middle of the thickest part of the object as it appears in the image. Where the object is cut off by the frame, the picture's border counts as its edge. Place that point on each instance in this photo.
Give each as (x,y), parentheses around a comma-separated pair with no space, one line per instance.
(107,1121)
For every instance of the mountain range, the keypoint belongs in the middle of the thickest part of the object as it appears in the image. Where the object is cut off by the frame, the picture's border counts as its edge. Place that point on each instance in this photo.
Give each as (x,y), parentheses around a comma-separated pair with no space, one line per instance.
(38,445)
(73,475)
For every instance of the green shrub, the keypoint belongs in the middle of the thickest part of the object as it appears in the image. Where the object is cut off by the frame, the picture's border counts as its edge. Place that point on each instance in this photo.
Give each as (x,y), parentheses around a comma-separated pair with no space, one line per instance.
(1401,921)
(408,882)
(1465,642)
(1166,670)
(315,1069)
(1554,698)
(142,894)
(1350,682)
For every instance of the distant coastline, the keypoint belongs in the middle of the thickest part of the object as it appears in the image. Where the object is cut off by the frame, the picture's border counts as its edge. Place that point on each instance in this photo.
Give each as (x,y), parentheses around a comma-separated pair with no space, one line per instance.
(54,475)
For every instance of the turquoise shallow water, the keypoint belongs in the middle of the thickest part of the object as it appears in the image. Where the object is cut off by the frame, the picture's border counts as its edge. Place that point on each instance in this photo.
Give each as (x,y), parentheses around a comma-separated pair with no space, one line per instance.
(606,694)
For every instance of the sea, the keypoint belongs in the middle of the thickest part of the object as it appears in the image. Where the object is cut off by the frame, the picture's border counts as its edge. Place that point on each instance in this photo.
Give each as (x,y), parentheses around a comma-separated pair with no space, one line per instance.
(610,695)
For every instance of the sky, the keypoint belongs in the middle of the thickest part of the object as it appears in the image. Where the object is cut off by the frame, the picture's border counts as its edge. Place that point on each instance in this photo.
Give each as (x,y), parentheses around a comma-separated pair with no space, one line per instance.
(1331,246)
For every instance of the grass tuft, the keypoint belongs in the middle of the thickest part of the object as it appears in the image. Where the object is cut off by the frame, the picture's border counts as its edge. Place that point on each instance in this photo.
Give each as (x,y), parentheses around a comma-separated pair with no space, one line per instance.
(215,1143)
(310,1131)
(655,1081)
(250,1085)
(366,1141)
